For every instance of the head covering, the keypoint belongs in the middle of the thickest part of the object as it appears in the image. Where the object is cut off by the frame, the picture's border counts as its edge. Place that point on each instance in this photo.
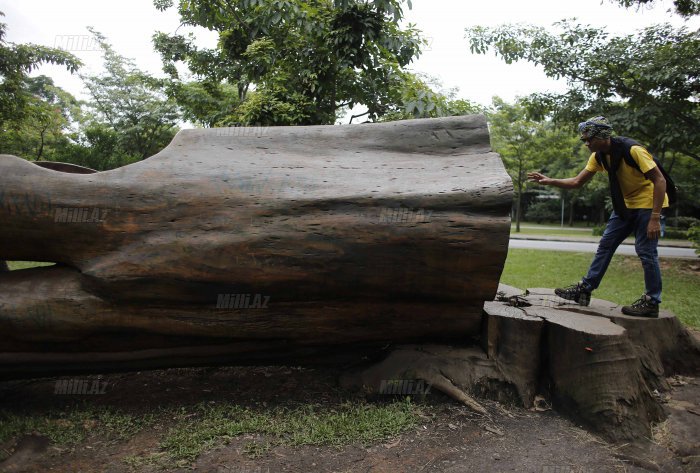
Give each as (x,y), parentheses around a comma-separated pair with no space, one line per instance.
(596,127)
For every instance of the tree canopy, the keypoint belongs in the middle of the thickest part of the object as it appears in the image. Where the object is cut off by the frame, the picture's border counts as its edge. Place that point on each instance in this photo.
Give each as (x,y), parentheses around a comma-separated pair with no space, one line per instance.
(647,83)
(288,62)
(526,144)
(42,131)
(684,8)
(126,104)
(16,62)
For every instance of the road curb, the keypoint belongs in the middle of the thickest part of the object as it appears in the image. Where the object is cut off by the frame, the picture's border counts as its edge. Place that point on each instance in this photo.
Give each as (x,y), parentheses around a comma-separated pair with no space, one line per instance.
(592,239)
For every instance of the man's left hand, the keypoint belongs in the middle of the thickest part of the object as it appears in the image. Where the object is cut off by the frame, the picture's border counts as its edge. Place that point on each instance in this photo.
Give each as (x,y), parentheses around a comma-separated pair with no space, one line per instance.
(654,228)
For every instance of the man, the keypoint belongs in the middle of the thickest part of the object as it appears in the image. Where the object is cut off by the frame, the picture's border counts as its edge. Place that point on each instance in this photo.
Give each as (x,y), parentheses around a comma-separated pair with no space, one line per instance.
(638,197)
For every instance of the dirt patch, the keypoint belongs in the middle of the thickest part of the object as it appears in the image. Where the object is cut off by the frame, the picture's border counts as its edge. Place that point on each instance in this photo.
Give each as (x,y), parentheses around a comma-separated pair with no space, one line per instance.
(687,267)
(448,438)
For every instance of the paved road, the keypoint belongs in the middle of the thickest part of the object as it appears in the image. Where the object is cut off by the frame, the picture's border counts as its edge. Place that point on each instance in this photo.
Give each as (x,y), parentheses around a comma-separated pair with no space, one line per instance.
(567,228)
(664,251)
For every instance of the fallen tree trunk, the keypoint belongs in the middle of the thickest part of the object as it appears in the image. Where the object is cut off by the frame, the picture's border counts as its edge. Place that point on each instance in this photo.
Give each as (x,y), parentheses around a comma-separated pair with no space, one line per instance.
(254,244)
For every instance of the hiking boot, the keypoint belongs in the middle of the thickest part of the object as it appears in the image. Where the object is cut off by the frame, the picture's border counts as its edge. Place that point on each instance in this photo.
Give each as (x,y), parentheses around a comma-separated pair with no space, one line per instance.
(576,292)
(642,307)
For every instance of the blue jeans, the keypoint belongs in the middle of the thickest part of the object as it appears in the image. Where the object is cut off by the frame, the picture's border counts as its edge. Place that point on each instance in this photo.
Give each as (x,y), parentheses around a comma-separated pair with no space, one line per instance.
(615,233)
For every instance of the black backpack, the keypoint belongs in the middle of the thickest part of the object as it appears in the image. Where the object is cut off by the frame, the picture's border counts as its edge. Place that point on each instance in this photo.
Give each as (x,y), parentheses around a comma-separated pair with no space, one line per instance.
(621,145)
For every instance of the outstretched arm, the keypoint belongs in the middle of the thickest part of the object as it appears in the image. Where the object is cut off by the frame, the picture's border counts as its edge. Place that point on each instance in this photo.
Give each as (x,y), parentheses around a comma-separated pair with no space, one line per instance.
(568,183)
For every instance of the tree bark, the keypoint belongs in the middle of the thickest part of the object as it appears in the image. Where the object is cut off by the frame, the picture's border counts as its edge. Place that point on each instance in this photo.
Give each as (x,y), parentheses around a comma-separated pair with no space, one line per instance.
(340,236)
(601,368)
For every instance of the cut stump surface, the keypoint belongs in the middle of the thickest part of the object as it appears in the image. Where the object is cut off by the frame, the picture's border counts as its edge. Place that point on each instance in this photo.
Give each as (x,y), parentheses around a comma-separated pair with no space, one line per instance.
(600,367)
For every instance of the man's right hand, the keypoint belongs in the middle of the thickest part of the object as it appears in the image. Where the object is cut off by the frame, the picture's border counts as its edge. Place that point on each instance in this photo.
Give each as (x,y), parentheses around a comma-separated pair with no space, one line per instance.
(538,178)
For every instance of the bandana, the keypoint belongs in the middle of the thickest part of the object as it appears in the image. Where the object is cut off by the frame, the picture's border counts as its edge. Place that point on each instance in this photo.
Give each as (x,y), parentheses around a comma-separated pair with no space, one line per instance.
(596,127)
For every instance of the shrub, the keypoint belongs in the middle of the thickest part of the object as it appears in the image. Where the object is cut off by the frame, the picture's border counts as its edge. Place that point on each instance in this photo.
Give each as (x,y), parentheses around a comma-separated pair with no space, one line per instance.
(675,233)
(682,223)
(599,229)
(694,236)
(547,211)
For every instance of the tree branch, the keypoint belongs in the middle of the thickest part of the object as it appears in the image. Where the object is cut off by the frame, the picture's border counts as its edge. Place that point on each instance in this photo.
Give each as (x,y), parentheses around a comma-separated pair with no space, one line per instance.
(239,19)
(358,116)
(692,155)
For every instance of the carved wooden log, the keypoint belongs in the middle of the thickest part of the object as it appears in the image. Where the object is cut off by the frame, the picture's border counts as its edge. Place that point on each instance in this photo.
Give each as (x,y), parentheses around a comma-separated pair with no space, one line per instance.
(65,167)
(56,166)
(339,235)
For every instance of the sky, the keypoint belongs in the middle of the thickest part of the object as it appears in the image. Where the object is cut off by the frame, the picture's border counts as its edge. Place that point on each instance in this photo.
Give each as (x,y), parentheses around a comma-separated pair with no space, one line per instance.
(129,25)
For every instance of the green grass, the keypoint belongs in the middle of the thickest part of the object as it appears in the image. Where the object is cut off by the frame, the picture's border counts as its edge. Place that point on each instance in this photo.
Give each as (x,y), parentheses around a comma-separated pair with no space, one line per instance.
(14,265)
(558,232)
(207,426)
(622,284)
(577,224)
(70,427)
(578,230)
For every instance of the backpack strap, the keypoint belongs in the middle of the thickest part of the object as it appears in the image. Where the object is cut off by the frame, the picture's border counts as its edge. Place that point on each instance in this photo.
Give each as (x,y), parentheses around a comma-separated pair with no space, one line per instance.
(629,160)
(614,163)
(601,162)
(626,145)
(671,189)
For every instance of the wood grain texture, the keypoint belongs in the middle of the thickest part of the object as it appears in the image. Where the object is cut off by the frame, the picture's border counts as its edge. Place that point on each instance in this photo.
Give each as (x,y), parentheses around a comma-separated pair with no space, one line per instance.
(604,369)
(393,232)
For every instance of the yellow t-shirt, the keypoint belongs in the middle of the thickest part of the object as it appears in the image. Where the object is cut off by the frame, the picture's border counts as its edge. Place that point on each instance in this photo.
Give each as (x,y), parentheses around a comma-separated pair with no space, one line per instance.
(637,190)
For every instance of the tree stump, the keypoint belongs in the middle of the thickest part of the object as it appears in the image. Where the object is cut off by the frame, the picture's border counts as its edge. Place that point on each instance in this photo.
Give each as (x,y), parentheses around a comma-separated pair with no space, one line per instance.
(602,368)
(237,245)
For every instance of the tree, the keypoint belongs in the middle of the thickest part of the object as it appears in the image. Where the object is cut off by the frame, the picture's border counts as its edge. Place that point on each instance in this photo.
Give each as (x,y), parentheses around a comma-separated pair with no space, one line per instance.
(511,135)
(686,175)
(566,157)
(16,62)
(289,62)
(419,99)
(647,83)
(203,102)
(41,132)
(526,145)
(684,8)
(126,117)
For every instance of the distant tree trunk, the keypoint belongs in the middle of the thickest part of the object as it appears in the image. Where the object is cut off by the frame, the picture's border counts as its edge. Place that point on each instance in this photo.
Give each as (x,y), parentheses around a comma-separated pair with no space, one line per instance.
(571,212)
(670,166)
(40,151)
(519,200)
